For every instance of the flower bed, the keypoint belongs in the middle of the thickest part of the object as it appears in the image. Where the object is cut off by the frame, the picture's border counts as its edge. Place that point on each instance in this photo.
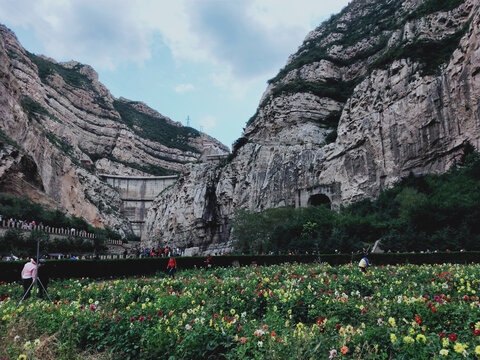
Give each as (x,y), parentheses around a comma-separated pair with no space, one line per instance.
(275,312)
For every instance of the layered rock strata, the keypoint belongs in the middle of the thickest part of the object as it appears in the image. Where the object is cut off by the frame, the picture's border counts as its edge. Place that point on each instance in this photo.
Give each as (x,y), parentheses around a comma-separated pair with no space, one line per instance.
(73,130)
(380,90)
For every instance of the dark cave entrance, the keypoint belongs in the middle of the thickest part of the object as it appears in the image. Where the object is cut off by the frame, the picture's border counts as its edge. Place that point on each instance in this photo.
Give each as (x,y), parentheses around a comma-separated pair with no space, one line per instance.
(319,200)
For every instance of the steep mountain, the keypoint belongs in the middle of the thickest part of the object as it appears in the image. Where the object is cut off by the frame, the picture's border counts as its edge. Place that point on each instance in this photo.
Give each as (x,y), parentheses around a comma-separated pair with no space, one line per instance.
(383,89)
(60,129)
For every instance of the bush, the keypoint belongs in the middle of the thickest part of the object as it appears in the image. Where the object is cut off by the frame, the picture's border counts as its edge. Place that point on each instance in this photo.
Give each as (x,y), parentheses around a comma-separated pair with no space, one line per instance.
(156,128)
(103,269)
(433,212)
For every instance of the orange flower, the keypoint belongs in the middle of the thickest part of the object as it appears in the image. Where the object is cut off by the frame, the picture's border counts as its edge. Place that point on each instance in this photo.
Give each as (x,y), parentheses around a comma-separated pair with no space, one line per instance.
(344,349)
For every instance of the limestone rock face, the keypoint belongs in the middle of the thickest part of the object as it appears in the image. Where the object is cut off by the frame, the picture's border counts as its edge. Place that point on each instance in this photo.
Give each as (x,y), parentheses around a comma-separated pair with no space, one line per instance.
(70,130)
(382,89)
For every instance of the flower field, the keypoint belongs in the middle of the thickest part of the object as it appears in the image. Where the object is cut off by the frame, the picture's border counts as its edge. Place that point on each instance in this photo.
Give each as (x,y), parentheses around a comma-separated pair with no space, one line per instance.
(275,312)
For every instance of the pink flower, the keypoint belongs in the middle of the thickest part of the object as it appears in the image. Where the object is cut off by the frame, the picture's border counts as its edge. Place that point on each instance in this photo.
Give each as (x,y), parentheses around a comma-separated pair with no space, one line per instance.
(333,353)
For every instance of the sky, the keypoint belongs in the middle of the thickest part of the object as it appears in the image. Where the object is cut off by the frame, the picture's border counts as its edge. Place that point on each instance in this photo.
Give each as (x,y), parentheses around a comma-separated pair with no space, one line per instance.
(203,60)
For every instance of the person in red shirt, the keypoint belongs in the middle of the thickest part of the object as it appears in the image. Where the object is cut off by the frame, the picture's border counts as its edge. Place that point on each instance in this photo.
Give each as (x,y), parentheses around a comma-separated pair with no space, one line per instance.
(172,267)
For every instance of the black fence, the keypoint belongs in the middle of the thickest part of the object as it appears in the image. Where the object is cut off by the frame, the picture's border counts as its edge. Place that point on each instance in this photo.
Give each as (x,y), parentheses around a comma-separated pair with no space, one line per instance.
(106,268)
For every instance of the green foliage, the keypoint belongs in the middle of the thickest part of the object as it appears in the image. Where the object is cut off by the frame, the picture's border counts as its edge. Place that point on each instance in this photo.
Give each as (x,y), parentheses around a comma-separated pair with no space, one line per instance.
(4,138)
(237,145)
(282,229)
(432,212)
(31,107)
(432,6)
(17,243)
(59,143)
(378,17)
(156,129)
(148,168)
(333,89)
(72,77)
(24,209)
(431,54)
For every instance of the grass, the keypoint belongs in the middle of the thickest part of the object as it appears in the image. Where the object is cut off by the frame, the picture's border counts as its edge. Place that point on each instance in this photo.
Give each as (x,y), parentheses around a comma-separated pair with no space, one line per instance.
(4,138)
(59,143)
(431,54)
(382,16)
(72,76)
(32,108)
(156,128)
(433,6)
(149,169)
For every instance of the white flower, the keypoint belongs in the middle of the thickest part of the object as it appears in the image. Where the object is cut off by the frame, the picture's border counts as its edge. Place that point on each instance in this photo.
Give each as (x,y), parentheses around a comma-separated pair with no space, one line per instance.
(260,343)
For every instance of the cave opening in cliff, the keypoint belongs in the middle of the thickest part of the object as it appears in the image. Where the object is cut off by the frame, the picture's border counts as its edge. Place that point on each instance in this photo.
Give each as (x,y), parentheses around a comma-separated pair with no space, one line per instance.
(319,200)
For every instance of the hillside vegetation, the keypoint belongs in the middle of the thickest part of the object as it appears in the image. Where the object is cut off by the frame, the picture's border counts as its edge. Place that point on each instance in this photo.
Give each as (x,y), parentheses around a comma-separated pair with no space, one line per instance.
(432,212)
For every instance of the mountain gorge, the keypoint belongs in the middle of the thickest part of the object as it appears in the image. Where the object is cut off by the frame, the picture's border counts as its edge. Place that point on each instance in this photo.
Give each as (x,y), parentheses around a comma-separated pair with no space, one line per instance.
(61,129)
(379,91)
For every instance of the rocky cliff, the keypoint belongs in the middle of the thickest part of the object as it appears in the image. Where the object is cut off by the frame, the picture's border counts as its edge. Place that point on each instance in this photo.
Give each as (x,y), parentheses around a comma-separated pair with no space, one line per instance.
(385,88)
(61,128)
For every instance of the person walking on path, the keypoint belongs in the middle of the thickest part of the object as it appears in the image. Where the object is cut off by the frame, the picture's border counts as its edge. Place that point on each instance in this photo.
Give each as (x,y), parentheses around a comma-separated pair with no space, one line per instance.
(172,267)
(29,273)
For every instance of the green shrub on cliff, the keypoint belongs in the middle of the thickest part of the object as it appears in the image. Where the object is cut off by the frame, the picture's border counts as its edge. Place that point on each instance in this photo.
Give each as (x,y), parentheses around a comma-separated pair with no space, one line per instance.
(419,213)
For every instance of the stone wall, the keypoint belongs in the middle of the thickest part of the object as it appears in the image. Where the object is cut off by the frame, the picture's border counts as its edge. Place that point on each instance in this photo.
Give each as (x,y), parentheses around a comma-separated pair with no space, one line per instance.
(137,194)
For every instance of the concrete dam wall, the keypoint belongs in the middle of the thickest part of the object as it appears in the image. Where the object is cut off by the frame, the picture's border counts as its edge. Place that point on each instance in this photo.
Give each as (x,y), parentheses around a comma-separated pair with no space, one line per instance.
(137,194)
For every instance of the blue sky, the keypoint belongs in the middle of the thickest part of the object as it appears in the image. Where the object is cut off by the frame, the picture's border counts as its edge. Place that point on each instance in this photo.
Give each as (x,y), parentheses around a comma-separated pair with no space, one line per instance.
(205,59)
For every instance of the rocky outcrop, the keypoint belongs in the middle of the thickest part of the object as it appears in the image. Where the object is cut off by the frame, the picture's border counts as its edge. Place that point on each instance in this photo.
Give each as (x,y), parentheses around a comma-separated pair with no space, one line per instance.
(71,130)
(380,90)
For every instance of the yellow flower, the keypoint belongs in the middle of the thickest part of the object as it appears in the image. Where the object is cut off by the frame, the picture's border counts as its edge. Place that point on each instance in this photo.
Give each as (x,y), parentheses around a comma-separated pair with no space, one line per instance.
(444,352)
(408,340)
(477,325)
(392,322)
(477,350)
(458,348)
(445,342)
(393,338)
(422,338)
(22,357)
(412,331)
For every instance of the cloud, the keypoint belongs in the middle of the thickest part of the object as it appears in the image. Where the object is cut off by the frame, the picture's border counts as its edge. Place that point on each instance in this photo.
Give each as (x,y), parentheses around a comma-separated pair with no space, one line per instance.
(247,39)
(183,88)
(238,39)
(207,123)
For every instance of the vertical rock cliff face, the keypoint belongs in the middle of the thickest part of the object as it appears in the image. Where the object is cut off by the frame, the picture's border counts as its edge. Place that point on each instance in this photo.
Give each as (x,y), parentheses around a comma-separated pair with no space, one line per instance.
(380,90)
(67,127)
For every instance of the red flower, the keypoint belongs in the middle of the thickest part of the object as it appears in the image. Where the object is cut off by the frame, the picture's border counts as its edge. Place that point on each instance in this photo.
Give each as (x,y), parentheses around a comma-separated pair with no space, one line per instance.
(476,332)
(319,321)
(272,334)
(433,309)
(442,335)
(417,319)
(465,298)
(452,337)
